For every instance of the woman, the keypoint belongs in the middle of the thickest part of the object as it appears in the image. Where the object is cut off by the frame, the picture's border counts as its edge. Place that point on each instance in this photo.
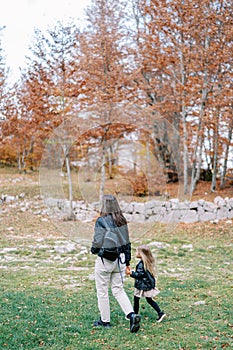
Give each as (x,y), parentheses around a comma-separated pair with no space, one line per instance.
(111,244)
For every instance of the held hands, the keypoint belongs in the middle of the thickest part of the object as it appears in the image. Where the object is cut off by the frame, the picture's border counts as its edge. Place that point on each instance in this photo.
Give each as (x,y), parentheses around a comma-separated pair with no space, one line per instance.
(128,270)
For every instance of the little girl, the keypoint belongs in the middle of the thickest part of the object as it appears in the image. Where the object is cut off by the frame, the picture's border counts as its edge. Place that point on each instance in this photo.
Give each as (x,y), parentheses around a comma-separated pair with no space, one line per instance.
(145,280)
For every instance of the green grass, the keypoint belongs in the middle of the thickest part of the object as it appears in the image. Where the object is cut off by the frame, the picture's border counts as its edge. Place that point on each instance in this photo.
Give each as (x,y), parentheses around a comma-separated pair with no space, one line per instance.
(47,300)
(47,303)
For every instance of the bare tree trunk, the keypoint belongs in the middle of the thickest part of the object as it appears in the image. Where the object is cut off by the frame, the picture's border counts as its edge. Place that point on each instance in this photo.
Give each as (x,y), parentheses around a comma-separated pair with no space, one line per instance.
(102,180)
(67,161)
(134,154)
(23,160)
(196,170)
(184,123)
(215,156)
(148,159)
(19,162)
(185,150)
(110,161)
(69,179)
(223,176)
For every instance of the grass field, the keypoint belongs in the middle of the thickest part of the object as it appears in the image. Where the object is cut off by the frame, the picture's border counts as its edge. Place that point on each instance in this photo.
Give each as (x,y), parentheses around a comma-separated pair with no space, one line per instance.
(48,298)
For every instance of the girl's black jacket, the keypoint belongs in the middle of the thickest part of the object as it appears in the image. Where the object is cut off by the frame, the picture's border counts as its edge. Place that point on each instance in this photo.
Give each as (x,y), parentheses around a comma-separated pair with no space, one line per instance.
(143,278)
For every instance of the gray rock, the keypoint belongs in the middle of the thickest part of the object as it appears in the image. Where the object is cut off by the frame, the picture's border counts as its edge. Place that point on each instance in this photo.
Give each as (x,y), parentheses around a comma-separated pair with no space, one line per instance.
(129,217)
(148,212)
(201,211)
(189,216)
(187,246)
(129,209)
(207,216)
(201,202)
(159,245)
(160,211)
(174,201)
(219,201)
(179,215)
(180,205)
(194,205)
(136,217)
(139,208)
(209,206)
(201,302)
(169,217)
(222,213)
(150,205)
(65,248)
(10,199)
(154,218)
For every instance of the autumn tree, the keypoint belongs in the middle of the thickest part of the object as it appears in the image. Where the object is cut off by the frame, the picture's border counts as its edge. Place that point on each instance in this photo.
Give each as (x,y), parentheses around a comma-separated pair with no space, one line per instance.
(102,64)
(183,50)
(3,80)
(7,111)
(48,91)
(161,66)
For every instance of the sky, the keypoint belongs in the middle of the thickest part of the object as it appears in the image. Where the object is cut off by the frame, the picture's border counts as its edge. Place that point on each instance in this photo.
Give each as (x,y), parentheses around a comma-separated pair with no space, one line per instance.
(20,17)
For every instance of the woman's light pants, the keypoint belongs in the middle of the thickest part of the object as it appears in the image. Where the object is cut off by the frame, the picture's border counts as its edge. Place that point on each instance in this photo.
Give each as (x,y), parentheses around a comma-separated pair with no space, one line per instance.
(108,274)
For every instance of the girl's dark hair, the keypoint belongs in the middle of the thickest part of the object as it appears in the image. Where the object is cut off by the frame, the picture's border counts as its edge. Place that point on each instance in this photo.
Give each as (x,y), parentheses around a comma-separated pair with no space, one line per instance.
(110,206)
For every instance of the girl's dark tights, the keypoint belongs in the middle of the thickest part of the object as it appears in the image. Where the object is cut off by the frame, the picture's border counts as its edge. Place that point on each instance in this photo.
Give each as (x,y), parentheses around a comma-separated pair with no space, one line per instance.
(150,301)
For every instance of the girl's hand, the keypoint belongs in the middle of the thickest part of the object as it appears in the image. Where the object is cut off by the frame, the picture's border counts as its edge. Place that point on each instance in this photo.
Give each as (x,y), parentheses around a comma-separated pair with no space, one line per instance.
(128,270)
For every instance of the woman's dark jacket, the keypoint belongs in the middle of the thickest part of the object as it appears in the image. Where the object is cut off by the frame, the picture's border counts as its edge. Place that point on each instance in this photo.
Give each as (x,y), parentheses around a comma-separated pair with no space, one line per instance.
(143,278)
(110,240)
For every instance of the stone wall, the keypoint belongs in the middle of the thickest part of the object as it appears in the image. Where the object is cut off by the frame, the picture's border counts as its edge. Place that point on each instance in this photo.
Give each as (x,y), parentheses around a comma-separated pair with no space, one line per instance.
(171,211)
(176,211)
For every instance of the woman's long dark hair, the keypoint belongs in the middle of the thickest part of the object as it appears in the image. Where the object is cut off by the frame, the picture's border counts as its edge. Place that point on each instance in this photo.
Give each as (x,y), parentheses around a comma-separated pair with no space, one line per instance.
(111,207)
